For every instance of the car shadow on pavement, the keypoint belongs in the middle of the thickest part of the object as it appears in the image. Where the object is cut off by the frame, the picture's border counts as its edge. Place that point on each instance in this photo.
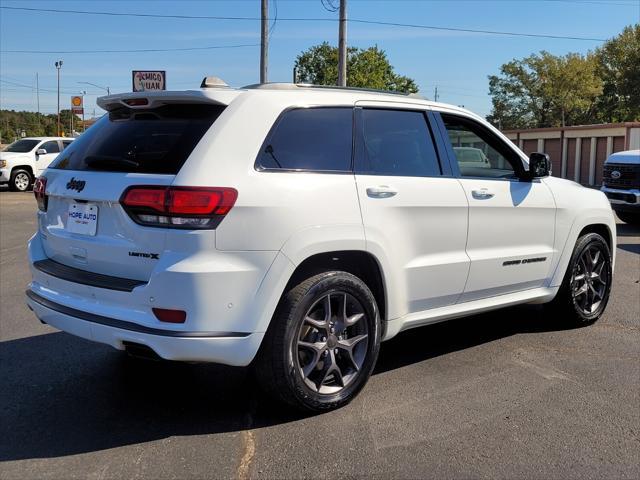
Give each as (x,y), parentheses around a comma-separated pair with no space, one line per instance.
(630,247)
(62,395)
(423,343)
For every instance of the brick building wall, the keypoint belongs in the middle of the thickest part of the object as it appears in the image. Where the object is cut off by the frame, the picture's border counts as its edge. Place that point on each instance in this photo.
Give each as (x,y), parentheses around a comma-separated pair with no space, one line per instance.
(579,152)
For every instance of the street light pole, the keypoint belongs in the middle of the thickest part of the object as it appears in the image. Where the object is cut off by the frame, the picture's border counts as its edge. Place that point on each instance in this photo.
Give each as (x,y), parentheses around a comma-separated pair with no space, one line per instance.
(107,89)
(38,96)
(84,127)
(58,67)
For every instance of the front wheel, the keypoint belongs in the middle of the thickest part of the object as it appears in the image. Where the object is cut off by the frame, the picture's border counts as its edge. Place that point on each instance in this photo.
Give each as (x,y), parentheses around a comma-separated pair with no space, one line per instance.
(585,290)
(322,344)
(20,181)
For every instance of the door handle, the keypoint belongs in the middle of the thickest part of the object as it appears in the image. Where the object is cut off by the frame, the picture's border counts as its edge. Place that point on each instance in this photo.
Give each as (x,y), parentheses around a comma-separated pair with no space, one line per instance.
(381,191)
(482,193)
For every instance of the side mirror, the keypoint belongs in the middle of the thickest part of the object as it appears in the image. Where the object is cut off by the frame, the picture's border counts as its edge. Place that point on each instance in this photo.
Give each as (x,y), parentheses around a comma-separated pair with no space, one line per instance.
(41,151)
(539,165)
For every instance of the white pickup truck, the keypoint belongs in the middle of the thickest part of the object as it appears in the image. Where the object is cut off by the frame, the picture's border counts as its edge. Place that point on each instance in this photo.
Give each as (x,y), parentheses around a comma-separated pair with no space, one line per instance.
(24,160)
(621,184)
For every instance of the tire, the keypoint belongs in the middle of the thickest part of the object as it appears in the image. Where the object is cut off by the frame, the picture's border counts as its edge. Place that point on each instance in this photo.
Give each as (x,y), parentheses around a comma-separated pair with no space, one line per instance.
(316,361)
(21,180)
(592,280)
(631,218)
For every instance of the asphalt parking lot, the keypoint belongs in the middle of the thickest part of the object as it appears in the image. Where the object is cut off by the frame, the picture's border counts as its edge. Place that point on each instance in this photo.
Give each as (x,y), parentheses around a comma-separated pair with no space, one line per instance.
(502,395)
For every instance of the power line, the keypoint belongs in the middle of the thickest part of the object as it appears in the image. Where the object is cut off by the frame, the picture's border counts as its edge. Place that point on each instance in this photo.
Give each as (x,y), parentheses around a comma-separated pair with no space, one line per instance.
(141,50)
(470,30)
(31,87)
(329,6)
(275,18)
(289,19)
(127,14)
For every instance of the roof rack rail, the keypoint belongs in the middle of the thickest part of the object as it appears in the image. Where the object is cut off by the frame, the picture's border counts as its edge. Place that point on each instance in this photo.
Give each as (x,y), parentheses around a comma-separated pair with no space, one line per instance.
(291,86)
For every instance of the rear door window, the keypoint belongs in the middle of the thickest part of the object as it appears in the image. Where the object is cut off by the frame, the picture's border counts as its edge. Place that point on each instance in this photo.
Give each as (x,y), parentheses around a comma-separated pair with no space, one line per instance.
(316,139)
(396,143)
(155,140)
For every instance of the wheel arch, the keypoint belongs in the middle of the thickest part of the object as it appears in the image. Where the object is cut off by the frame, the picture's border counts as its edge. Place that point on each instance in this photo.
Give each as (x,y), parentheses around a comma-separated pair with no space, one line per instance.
(28,168)
(602,230)
(360,263)
(603,224)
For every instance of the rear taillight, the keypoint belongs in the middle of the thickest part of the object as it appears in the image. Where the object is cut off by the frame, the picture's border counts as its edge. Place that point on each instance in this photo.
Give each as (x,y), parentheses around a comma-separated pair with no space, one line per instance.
(178,207)
(39,190)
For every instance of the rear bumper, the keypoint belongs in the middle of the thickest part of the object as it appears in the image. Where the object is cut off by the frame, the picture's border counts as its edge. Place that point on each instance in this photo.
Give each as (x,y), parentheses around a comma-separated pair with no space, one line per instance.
(228,297)
(229,348)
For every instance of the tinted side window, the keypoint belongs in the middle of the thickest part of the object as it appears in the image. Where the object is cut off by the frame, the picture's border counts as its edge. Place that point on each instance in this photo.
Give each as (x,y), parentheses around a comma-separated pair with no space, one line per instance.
(478,151)
(51,147)
(66,143)
(396,142)
(310,139)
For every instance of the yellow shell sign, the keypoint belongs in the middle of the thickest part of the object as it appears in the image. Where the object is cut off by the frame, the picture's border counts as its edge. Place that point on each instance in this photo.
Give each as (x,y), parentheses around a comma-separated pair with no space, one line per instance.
(76,101)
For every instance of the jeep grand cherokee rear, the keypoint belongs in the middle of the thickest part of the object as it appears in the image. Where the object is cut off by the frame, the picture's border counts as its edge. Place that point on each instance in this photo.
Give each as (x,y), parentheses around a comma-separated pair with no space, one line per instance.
(121,246)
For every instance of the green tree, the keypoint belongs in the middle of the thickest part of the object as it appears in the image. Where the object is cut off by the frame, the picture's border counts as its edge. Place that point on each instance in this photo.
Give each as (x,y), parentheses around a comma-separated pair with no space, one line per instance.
(33,124)
(366,68)
(619,68)
(546,90)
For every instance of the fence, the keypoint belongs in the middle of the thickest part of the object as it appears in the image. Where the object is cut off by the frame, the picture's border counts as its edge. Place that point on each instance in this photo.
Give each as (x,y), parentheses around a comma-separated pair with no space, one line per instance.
(579,152)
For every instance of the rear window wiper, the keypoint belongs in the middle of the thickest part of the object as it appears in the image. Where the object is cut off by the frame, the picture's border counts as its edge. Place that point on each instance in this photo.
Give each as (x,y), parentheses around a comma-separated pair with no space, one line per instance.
(105,161)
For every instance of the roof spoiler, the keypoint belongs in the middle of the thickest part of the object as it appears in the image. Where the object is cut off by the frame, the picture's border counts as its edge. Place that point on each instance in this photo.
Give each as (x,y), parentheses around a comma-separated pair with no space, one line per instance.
(153,99)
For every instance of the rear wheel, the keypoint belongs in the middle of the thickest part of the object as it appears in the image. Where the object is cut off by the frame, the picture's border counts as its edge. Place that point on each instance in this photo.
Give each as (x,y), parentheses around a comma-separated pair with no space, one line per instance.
(20,180)
(631,218)
(322,344)
(585,289)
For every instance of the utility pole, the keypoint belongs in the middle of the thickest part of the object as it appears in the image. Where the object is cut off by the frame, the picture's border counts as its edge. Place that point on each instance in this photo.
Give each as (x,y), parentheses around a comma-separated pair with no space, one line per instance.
(435,95)
(264,40)
(342,45)
(58,67)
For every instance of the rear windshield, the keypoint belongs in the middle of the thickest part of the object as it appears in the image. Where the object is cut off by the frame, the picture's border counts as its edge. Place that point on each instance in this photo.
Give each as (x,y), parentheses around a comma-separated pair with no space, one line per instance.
(157,140)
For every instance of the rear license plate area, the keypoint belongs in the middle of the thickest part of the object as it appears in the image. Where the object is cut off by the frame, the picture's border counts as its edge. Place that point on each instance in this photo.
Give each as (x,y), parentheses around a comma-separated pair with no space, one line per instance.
(82,218)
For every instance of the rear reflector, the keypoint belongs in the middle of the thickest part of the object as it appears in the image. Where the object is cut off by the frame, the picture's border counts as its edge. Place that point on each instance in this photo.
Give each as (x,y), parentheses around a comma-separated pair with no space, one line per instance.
(170,316)
(39,190)
(178,207)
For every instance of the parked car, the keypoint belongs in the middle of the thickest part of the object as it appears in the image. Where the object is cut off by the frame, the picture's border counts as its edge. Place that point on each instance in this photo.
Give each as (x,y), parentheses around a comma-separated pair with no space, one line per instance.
(470,157)
(294,228)
(23,160)
(621,184)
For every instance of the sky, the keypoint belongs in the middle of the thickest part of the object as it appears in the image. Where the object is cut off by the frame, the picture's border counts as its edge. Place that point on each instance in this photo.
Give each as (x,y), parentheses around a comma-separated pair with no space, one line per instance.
(458,63)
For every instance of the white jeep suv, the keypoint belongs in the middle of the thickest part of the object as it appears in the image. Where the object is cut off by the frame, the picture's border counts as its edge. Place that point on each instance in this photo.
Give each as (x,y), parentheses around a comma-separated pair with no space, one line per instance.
(295,228)
(25,159)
